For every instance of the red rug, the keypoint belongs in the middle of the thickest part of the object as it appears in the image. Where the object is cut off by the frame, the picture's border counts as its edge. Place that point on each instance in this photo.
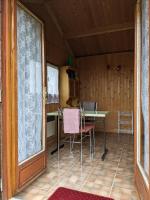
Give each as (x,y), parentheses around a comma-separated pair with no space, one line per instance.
(68,194)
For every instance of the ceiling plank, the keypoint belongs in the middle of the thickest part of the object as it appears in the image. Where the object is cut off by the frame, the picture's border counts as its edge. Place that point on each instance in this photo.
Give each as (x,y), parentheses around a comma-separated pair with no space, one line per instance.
(50,12)
(101,30)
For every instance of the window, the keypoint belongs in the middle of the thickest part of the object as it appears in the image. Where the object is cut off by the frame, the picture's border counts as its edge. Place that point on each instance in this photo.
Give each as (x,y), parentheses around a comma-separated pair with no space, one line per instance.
(52,83)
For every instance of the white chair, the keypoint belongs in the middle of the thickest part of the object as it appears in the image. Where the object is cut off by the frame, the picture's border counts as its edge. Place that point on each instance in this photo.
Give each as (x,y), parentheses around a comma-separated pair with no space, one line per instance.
(125,122)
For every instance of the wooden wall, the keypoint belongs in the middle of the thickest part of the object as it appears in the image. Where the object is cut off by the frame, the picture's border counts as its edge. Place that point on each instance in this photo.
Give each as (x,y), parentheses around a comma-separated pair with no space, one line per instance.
(111,88)
(56,52)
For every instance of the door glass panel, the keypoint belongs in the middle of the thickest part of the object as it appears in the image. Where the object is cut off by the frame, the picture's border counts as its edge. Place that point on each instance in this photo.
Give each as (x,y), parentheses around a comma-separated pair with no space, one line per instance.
(30,92)
(144,93)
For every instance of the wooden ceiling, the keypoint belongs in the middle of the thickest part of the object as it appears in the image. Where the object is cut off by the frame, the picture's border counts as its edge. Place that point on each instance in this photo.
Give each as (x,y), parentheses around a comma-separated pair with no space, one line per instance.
(90,27)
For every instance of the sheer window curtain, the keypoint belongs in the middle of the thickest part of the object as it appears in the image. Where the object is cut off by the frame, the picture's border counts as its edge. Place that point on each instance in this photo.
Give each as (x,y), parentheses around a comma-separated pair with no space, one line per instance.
(145,82)
(52,83)
(30,108)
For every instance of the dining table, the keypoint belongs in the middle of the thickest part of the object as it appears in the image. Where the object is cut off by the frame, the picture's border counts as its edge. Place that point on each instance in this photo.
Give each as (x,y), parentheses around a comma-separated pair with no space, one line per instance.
(91,114)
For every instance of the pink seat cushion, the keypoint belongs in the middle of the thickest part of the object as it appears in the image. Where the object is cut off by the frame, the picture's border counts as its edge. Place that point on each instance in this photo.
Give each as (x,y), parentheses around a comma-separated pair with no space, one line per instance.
(87,128)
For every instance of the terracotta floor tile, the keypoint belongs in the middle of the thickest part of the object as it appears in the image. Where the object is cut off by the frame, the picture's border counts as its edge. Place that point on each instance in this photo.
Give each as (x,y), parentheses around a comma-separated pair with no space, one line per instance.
(102,171)
(113,175)
(96,189)
(124,194)
(124,182)
(100,180)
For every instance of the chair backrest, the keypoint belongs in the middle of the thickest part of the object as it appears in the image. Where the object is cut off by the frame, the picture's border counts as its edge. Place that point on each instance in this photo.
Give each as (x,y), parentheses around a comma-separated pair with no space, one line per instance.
(71,120)
(89,105)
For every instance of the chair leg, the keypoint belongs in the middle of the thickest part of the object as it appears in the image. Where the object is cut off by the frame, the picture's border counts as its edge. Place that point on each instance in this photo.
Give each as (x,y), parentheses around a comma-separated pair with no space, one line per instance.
(73,141)
(90,144)
(81,149)
(70,145)
(93,141)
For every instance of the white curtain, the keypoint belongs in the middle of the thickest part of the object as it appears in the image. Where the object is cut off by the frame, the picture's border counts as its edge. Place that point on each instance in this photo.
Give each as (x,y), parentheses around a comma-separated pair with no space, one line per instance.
(52,83)
(145,81)
(29,59)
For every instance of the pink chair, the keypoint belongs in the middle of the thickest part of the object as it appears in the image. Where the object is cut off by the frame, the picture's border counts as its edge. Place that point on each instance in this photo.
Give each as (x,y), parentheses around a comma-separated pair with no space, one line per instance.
(74,125)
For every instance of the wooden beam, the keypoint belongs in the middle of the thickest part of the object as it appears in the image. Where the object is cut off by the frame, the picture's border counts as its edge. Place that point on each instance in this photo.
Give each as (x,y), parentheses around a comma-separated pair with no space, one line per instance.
(33,1)
(101,30)
(104,53)
(52,15)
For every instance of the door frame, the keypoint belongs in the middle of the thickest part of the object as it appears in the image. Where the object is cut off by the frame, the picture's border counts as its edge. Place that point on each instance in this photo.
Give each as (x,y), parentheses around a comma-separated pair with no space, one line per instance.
(11,171)
(143,190)
(8,68)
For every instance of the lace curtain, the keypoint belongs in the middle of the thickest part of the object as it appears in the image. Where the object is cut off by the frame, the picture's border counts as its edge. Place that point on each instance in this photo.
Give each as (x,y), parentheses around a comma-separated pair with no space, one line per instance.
(145,83)
(52,84)
(29,59)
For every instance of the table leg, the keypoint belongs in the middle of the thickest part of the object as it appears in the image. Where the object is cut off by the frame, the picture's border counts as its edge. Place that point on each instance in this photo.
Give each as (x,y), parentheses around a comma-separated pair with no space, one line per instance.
(58,135)
(59,146)
(105,140)
(56,149)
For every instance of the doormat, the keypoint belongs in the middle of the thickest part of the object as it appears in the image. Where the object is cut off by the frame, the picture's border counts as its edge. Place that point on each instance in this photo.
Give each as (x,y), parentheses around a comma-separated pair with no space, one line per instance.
(69,194)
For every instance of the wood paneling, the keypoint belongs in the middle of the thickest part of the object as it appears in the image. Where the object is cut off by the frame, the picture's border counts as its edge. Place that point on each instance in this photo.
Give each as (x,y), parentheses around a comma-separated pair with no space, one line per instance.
(86,27)
(80,16)
(34,1)
(112,89)
(102,30)
(31,169)
(91,27)
(111,42)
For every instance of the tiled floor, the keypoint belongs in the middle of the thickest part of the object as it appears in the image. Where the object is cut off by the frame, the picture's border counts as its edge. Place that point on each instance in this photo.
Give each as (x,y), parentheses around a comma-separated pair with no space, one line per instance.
(113,177)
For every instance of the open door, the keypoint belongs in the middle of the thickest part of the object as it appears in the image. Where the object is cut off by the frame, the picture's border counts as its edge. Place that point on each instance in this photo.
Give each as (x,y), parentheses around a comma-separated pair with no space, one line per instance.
(142,99)
(30,96)
(24,154)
